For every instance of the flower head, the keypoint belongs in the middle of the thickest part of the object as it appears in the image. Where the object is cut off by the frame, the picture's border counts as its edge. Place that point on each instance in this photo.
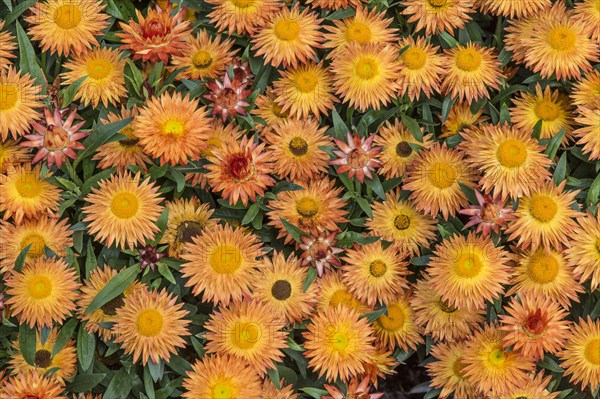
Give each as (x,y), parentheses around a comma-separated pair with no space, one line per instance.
(357,157)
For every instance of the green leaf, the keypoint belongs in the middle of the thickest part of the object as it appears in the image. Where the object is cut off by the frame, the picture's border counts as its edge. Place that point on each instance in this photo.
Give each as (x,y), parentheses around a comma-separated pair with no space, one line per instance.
(550,364)
(85,382)
(554,144)
(294,231)
(372,316)
(156,369)
(21,258)
(413,127)
(364,205)
(560,172)
(179,179)
(164,271)
(27,343)
(339,126)
(274,377)
(121,9)
(119,386)
(19,9)
(375,185)
(86,345)
(251,214)
(179,365)
(64,335)
(68,93)
(314,392)
(90,259)
(446,107)
(114,288)
(593,195)
(27,60)
(148,384)
(310,277)
(448,39)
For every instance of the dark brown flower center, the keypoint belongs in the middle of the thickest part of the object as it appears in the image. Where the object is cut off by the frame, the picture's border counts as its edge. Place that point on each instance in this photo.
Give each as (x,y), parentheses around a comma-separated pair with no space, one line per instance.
(281,290)
(446,308)
(188,230)
(43,359)
(110,307)
(403,149)
(129,142)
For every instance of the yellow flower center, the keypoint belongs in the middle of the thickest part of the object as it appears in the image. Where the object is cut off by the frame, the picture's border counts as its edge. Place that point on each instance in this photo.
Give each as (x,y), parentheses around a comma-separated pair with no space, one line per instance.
(542,208)
(562,39)
(394,320)
(414,58)
(226,259)
(124,205)
(223,390)
(401,222)
(366,68)
(242,3)
(128,131)
(246,335)
(497,357)
(547,110)
(37,245)
(149,322)
(339,341)
(512,153)
(437,3)
(298,146)
(457,368)
(442,175)
(543,268)
(287,29)
(39,287)
(9,94)
(377,268)
(468,265)
(307,207)
(592,351)
(358,32)
(341,297)
(174,127)
(202,59)
(28,185)
(306,81)
(468,59)
(99,68)
(67,16)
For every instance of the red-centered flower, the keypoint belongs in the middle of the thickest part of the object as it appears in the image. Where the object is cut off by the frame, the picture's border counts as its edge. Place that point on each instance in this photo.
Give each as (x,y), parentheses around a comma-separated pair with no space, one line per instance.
(157,37)
(320,252)
(357,157)
(228,97)
(489,215)
(55,138)
(355,391)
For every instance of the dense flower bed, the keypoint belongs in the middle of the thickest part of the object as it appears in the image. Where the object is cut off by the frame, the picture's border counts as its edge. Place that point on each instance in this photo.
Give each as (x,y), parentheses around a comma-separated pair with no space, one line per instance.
(230,199)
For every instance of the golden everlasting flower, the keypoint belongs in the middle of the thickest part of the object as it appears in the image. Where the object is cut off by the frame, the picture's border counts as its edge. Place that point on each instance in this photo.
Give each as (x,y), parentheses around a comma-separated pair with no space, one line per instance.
(18,103)
(421,68)
(584,252)
(103,71)
(44,292)
(221,264)
(468,271)
(365,75)
(243,17)
(24,193)
(123,210)
(290,37)
(7,46)
(434,181)
(67,26)
(248,331)
(220,377)
(338,343)
(12,154)
(438,16)
(581,355)
(65,360)
(447,372)
(31,385)
(151,325)
(172,128)
(204,57)
(397,327)
(544,217)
